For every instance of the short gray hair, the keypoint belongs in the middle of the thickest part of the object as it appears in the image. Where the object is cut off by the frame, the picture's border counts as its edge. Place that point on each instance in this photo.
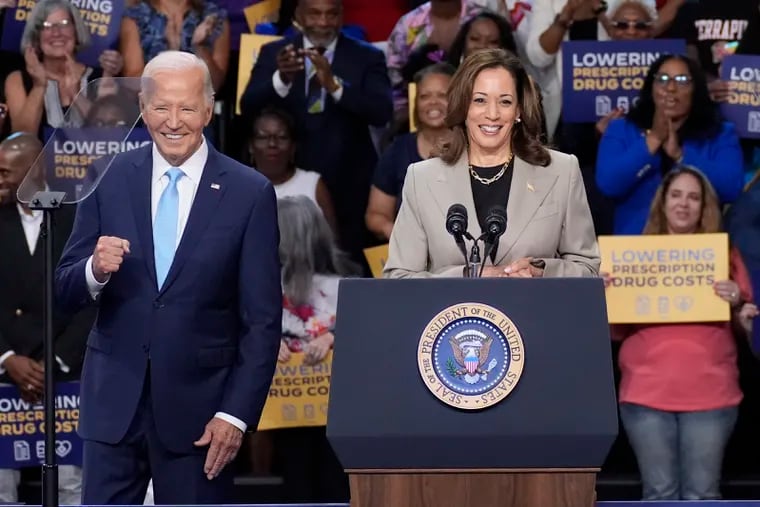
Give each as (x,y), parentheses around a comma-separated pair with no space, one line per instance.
(40,13)
(307,247)
(177,60)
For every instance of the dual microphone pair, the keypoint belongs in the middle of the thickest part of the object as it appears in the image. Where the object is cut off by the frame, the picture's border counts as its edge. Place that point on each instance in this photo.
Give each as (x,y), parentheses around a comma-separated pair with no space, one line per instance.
(495,226)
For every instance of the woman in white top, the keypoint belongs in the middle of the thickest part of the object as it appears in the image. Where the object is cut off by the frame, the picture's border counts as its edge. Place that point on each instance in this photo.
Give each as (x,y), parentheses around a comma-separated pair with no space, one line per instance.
(272,150)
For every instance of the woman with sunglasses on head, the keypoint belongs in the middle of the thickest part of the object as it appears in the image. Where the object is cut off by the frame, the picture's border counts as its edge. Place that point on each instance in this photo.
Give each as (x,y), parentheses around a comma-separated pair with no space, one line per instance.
(674,122)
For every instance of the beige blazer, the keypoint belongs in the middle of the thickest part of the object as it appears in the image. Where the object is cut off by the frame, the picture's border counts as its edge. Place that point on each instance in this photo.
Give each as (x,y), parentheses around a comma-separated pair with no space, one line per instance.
(548,217)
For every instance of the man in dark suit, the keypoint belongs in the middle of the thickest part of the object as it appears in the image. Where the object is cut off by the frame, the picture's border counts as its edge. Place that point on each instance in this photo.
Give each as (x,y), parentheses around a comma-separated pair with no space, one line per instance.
(335,87)
(21,303)
(179,244)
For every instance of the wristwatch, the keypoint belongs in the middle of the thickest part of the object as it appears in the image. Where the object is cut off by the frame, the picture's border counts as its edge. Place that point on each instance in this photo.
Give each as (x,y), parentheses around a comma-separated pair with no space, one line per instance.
(564,24)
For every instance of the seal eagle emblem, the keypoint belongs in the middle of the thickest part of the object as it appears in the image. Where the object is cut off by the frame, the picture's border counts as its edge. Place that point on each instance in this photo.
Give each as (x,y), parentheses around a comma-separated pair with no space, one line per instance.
(471,356)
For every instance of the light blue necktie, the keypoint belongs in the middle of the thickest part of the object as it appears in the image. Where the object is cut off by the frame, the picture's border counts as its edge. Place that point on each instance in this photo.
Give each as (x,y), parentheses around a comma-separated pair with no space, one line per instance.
(165,226)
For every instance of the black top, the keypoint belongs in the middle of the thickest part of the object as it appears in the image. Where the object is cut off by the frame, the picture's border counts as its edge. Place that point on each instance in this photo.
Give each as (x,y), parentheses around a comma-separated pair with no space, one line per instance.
(393,164)
(488,196)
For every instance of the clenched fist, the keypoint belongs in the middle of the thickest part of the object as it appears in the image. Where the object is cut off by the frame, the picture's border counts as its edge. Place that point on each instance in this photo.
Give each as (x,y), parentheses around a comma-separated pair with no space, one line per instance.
(108,256)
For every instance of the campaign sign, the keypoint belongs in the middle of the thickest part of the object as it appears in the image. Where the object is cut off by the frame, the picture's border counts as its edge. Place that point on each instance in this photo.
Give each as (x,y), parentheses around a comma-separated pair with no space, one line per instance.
(600,76)
(22,428)
(102,18)
(76,158)
(742,108)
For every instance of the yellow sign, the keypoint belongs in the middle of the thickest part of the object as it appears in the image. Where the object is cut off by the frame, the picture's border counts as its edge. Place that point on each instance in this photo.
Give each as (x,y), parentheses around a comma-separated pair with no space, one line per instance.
(376,257)
(265,11)
(412,96)
(471,356)
(298,395)
(250,46)
(665,278)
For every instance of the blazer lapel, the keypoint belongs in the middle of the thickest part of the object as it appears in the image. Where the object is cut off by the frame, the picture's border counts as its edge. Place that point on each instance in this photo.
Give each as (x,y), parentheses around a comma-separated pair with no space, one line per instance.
(530,186)
(453,186)
(204,205)
(140,189)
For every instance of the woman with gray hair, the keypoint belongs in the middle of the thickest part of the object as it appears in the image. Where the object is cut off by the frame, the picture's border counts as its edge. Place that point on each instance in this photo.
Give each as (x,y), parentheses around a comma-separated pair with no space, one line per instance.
(312,266)
(39,96)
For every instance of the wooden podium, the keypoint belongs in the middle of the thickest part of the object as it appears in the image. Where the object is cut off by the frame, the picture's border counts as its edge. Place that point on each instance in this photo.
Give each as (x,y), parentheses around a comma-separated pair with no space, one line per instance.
(541,446)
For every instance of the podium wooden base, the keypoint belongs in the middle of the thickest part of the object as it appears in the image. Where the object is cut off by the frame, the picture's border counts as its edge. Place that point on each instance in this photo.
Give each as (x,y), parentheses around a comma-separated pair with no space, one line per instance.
(473,488)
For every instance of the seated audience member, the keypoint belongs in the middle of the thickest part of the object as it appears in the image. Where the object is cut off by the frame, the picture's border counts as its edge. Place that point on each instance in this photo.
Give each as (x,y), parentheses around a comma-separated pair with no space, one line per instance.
(39,95)
(484,31)
(677,425)
(272,151)
(21,304)
(335,88)
(674,122)
(195,26)
(430,116)
(424,34)
(312,266)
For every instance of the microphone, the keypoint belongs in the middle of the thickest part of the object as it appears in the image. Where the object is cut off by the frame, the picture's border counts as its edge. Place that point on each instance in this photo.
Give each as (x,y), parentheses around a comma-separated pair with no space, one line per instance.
(456,225)
(496,225)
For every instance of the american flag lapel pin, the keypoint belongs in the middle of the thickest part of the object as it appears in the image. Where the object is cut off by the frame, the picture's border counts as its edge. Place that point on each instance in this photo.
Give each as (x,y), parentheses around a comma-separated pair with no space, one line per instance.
(215,186)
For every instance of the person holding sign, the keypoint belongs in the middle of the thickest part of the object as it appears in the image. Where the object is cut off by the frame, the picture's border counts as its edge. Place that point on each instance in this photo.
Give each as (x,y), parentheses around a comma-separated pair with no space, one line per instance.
(679,388)
(39,95)
(432,83)
(495,159)
(312,267)
(178,246)
(674,122)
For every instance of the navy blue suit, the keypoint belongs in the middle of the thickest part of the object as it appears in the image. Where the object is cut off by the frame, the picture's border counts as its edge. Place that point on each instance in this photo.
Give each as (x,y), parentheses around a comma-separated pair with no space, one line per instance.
(336,143)
(164,362)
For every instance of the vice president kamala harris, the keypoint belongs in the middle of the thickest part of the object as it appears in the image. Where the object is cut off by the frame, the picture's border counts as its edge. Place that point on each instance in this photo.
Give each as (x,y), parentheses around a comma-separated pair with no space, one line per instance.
(495,158)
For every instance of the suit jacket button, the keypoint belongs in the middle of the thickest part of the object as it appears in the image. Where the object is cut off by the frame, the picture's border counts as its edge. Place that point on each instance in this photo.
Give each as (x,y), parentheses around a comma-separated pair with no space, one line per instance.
(145,348)
(19,312)
(157,305)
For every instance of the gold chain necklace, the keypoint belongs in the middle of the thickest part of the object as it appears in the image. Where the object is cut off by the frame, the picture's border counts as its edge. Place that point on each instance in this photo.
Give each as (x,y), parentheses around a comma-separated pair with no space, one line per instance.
(488,181)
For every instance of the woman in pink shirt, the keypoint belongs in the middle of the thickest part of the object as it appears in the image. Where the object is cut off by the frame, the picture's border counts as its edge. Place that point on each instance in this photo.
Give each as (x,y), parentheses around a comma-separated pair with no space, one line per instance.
(679,390)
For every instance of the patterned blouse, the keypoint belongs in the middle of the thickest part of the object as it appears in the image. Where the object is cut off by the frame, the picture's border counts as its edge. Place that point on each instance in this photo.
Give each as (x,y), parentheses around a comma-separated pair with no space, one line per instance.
(411,33)
(152,27)
(303,323)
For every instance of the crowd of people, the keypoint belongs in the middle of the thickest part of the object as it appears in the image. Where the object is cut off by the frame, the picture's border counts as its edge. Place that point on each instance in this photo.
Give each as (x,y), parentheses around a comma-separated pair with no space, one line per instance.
(365,138)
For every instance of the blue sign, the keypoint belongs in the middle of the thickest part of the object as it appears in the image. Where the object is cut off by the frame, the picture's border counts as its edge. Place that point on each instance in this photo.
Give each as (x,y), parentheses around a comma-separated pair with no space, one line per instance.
(76,158)
(742,73)
(22,428)
(102,18)
(599,77)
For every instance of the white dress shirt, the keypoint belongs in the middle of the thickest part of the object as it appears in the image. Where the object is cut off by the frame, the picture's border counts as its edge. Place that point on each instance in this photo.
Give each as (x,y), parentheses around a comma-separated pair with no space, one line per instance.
(31,221)
(187,185)
(283,89)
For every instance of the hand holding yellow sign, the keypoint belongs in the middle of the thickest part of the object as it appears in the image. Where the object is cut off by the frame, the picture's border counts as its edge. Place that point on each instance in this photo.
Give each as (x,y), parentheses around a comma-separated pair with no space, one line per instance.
(665,278)
(298,395)
(376,257)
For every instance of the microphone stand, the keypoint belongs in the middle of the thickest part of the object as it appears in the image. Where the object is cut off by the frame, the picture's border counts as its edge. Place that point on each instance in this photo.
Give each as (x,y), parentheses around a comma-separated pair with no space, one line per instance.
(474,261)
(48,202)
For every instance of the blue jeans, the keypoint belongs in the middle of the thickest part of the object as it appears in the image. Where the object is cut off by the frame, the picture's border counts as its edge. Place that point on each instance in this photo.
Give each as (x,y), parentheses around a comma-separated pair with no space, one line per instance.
(680,454)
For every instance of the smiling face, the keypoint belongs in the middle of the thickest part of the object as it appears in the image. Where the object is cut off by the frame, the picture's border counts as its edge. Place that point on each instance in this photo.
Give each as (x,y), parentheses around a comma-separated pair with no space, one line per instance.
(673,88)
(493,109)
(683,204)
(175,110)
(631,22)
(272,146)
(57,35)
(432,101)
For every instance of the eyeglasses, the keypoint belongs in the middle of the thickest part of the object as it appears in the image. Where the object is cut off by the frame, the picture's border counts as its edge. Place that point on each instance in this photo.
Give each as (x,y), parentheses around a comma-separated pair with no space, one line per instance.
(683,80)
(636,25)
(108,123)
(266,139)
(63,24)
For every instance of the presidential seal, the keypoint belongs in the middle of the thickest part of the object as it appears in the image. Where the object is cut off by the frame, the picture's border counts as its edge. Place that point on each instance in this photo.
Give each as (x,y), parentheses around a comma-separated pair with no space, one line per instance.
(471,356)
